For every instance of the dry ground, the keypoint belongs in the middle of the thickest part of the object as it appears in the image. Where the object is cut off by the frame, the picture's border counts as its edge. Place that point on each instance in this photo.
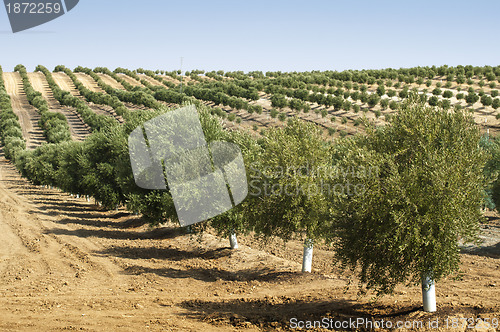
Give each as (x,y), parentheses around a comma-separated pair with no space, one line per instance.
(28,115)
(67,265)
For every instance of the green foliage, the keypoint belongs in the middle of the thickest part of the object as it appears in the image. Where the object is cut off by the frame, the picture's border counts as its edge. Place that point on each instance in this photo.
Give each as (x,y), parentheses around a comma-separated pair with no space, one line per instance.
(496,103)
(10,130)
(486,100)
(471,98)
(55,126)
(436,92)
(433,101)
(445,104)
(423,194)
(447,94)
(285,196)
(279,101)
(391,93)
(381,90)
(384,102)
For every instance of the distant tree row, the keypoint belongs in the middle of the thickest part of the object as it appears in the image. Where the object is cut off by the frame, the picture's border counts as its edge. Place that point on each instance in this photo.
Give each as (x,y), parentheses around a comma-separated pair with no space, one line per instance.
(55,125)
(11,134)
(88,116)
(95,97)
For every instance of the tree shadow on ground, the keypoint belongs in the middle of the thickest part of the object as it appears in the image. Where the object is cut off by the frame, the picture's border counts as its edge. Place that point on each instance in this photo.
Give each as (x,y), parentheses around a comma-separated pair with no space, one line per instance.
(170,254)
(278,312)
(213,274)
(98,233)
(492,251)
(117,231)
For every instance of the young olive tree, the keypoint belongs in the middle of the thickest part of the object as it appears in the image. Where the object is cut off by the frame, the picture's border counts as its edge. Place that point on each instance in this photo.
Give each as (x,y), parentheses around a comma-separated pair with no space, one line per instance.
(421,195)
(286,193)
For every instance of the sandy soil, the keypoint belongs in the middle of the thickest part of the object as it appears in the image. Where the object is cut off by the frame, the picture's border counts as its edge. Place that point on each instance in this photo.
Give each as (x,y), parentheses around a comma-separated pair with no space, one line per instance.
(89,82)
(170,79)
(28,116)
(65,83)
(67,265)
(111,81)
(130,80)
(79,130)
(151,80)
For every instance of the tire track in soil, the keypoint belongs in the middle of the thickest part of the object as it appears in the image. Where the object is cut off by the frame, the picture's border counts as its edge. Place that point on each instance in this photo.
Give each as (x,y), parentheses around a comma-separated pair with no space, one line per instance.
(78,128)
(79,273)
(66,264)
(28,115)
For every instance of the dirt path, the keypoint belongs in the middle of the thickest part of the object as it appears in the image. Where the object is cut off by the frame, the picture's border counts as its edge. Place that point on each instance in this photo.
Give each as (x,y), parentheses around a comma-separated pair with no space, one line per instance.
(65,83)
(54,275)
(67,265)
(151,80)
(130,80)
(89,82)
(28,116)
(79,130)
(111,81)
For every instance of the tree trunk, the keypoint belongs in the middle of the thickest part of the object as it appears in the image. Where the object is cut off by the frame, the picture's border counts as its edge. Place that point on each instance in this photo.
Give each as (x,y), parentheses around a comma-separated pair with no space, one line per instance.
(308,255)
(233,241)
(428,294)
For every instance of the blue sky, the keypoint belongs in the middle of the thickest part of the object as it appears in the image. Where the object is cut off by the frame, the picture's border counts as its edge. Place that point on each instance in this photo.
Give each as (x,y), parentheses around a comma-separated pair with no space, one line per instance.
(266,35)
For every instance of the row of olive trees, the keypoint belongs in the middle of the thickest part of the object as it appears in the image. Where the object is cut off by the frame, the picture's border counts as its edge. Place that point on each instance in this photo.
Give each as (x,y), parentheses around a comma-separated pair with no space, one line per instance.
(394,203)
(135,97)
(55,126)
(387,202)
(95,97)
(193,94)
(10,130)
(89,117)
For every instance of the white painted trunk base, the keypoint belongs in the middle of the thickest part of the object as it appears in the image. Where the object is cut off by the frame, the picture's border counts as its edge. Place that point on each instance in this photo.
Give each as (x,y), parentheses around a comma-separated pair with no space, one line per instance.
(233,241)
(428,294)
(308,255)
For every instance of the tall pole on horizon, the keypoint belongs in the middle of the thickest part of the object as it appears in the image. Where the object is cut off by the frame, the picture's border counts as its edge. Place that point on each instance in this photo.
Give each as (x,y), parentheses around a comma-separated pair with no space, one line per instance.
(182,59)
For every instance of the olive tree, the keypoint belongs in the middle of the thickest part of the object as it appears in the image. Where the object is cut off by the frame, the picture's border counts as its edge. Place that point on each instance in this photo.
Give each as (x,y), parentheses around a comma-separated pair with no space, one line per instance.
(421,197)
(286,196)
